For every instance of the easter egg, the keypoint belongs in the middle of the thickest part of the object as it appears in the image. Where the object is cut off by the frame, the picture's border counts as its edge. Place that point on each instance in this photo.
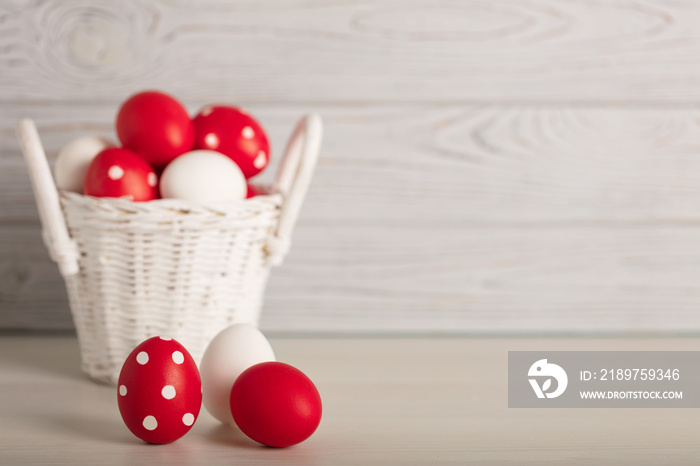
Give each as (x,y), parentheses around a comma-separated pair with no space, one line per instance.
(232,351)
(275,404)
(234,133)
(156,126)
(159,391)
(74,159)
(204,176)
(118,172)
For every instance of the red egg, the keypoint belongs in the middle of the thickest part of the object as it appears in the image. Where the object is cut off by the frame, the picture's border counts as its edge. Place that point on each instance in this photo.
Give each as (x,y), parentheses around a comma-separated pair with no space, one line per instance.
(117,172)
(156,126)
(159,391)
(234,133)
(275,404)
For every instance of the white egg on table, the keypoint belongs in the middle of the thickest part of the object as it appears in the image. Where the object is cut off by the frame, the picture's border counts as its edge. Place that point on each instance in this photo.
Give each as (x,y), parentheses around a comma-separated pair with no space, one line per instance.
(232,351)
(205,176)
(74,159)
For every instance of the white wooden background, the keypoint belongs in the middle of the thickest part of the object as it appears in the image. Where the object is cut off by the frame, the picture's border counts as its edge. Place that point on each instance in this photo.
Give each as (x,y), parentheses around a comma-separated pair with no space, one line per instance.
(513,165)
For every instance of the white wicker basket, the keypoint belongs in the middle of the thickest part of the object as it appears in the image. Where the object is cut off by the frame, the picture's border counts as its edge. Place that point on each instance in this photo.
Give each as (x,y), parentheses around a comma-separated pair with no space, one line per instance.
(167,267)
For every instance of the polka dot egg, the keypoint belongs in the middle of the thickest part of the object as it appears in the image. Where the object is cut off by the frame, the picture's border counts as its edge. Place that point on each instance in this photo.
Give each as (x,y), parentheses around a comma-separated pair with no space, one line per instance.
(159,391)
(118,172)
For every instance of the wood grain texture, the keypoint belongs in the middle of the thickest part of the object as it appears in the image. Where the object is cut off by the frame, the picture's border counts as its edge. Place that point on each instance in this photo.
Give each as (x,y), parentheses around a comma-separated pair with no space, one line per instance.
(457,166)
(490,279)
(521,165)
(344,51)
(32,294)
(476,218)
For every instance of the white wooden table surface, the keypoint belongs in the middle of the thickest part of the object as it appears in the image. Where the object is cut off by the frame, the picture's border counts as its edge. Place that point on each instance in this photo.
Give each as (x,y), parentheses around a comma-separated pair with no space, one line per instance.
(420,401)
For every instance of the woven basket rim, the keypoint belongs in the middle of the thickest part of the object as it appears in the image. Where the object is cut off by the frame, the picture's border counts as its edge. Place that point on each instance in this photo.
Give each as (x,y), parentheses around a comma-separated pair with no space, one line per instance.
(169,206)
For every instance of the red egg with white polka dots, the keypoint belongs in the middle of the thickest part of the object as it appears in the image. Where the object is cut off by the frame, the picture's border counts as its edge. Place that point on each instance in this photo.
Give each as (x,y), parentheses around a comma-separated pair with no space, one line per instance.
(159,391)
(234,133)
(118,172)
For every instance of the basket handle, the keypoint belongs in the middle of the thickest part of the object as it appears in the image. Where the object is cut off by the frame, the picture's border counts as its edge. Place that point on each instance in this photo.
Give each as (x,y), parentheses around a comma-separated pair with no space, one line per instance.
(62,248)
(293,179)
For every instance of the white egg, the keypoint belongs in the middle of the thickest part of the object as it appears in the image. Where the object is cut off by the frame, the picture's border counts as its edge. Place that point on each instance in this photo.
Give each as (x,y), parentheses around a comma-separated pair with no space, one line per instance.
(232,351)
(205,176)
(74,159)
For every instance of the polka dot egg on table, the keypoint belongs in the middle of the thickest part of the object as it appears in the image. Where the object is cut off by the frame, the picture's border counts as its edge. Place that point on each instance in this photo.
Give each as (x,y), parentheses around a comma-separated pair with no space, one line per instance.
(159,391)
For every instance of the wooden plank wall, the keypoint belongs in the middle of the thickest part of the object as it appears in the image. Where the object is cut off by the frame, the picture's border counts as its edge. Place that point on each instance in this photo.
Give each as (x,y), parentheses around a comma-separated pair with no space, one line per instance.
(495,166)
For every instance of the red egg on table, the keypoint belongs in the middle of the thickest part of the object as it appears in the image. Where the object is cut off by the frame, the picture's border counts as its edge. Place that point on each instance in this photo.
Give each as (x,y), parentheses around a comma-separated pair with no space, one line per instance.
(118,172)
(156,126)
(234,133)
(159,391)
(275,404)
